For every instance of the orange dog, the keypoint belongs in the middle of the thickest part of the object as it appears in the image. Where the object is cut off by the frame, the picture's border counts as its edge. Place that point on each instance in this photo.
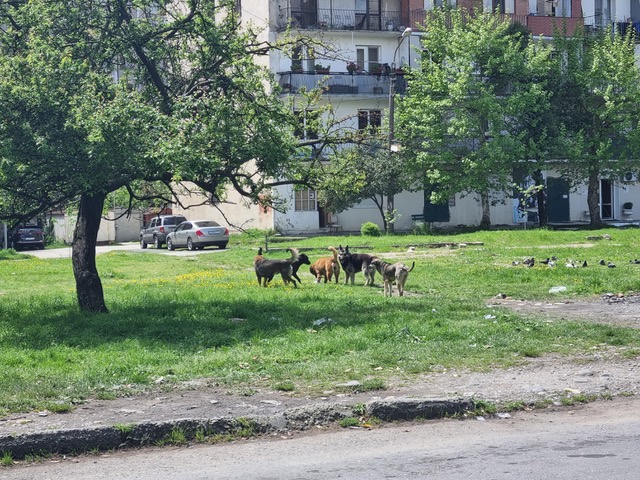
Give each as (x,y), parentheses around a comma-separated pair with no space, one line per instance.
(326,267)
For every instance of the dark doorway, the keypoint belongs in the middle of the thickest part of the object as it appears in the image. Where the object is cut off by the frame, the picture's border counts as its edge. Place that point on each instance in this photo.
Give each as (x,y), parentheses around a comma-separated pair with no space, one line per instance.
(434,212)
(558,200)
(606,199)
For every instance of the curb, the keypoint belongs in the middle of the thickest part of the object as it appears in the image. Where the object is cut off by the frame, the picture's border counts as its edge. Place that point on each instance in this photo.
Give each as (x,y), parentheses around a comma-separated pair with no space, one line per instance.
(75,441)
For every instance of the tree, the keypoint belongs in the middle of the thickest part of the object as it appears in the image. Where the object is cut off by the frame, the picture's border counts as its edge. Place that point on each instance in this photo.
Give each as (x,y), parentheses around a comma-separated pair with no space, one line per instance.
(361,172)
(459,116)
(188,104)
(595,86)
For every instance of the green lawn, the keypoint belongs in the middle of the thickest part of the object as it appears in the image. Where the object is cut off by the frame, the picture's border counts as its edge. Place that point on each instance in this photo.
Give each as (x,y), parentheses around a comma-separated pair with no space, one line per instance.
(205,316)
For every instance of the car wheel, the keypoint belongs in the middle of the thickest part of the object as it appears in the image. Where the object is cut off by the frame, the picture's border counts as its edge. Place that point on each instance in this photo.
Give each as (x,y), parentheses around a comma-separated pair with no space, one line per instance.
(190,245)
(170,244)
(222,246)
(157,243)
(143,244)
(41,246)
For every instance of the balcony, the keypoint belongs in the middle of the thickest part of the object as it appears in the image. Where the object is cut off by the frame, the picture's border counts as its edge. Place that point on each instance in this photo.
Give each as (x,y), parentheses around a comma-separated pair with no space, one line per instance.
(341,83)
(537,24)
(340,19)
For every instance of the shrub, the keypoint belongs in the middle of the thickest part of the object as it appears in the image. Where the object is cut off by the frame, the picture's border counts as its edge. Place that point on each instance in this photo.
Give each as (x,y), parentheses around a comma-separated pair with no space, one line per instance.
(370,229)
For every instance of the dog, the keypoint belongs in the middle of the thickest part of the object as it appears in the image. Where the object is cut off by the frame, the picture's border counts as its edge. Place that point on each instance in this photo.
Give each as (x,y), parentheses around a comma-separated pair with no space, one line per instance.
(303,259)
(266,269)
(353,263)
(326,267)
(393,272)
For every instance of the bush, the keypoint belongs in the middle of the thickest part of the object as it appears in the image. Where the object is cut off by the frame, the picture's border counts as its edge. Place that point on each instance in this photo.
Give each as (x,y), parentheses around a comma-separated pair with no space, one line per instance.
(370,229)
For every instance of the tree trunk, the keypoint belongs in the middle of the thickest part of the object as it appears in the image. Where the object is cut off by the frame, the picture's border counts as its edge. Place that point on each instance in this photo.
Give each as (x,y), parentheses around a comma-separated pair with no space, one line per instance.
(389,221)
(485,222)
(593,199)
(380,205)
(542,198)
(83,256)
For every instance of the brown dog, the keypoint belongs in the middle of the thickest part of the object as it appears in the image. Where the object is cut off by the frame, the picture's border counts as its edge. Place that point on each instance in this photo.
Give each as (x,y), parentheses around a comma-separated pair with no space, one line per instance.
(267,269)
(326,267)
(393,272)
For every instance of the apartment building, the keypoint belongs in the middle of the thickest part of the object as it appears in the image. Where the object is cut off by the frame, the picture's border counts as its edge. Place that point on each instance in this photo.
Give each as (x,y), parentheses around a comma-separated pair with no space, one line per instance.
(371,44)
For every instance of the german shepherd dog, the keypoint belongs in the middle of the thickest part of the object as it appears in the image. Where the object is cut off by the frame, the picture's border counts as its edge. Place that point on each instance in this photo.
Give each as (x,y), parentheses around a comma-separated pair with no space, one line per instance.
(326,267)
(353,263)
(267,269)
(393,272)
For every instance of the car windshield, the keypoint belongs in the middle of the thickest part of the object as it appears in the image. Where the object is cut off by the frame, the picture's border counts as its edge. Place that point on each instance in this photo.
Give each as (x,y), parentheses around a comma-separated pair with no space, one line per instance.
(208,223)
(29,227)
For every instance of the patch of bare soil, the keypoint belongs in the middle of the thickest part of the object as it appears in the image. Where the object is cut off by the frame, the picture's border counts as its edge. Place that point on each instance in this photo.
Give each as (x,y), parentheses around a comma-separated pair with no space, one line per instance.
(613,309)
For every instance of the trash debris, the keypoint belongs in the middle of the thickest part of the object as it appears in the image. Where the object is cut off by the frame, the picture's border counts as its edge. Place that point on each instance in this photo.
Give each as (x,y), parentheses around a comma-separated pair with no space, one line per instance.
(558,289)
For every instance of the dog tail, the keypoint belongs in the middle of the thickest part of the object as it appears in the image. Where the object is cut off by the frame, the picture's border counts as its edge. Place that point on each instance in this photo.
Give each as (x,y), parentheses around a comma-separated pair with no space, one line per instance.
(413,264)
(294,254)
(335,253)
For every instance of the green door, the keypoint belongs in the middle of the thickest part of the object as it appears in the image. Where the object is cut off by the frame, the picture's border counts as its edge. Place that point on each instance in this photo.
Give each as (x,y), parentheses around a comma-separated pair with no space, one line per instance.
(558,200)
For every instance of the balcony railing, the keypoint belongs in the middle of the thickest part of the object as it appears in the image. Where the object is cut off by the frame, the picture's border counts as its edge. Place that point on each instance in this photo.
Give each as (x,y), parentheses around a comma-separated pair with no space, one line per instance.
(340,19)
(341,83)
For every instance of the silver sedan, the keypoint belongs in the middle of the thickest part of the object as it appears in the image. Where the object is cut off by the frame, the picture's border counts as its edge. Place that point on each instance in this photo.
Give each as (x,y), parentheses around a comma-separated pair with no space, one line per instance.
(197,234)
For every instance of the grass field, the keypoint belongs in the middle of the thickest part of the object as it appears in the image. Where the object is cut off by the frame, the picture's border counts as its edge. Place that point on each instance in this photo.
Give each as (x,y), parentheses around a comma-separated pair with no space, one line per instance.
(182,318)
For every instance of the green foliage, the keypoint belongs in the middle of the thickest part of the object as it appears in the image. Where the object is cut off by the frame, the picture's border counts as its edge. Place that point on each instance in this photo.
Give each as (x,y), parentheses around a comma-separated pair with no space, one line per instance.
(370,229)
(98,102)
(6,459)
(475,81)
(349,422)
(595,80)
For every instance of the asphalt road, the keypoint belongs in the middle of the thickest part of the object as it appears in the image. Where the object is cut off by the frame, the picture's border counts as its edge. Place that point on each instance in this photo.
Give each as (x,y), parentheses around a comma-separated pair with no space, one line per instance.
(65,252)
(596,441)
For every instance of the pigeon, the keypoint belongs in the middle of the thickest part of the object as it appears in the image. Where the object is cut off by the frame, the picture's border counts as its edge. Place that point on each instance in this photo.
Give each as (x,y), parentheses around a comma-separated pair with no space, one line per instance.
(545,262)
(531,263)
(611,265)
(602,262)
(584,264)
(570,265)
(553,257)
(551,263)
(515,263)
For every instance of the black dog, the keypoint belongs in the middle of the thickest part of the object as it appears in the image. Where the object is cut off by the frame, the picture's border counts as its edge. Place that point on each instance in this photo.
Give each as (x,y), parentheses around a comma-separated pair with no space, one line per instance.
(353,263)
(302,259)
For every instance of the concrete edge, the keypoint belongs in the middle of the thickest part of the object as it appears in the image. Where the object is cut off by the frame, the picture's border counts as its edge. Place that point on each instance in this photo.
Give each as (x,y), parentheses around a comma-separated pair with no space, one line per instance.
(76,441)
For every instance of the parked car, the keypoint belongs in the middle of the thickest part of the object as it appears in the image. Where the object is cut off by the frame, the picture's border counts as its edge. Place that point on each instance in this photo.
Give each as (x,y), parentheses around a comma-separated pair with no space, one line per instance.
(28,236)
(197,234)
(158,228)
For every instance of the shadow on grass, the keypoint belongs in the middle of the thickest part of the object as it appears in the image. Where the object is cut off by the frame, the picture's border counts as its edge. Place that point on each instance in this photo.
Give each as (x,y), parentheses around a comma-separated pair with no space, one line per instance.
(190,326)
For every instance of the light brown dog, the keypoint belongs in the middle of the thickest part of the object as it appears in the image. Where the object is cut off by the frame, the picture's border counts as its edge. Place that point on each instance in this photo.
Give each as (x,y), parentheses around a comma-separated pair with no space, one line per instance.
(326,267)
(393,272)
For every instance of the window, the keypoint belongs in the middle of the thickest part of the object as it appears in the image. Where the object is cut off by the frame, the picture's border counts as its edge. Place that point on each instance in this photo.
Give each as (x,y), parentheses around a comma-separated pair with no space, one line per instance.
(369,119)
(302,58)
(368,57)
(308,125)
(305,200)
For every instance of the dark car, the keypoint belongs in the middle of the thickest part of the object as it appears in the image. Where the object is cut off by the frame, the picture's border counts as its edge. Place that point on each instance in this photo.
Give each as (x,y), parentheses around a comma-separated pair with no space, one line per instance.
(28,236)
